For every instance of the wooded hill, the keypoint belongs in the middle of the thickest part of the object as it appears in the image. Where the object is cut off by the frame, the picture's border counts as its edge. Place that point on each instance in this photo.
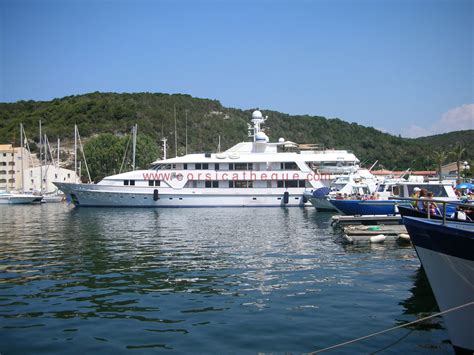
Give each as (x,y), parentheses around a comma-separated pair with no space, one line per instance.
(207,120)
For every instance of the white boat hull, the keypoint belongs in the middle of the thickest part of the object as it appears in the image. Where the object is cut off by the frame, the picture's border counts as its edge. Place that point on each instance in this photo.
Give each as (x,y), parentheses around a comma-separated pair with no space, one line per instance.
(111,196)
(322,204)
(18,199)
(452,281)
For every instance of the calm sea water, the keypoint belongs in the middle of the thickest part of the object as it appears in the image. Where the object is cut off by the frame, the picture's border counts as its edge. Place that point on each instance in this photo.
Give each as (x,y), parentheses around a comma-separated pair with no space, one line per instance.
(264,280)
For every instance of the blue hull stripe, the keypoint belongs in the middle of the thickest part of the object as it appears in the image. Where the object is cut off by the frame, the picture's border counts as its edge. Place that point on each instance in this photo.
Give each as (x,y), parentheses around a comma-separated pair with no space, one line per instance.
(454,239)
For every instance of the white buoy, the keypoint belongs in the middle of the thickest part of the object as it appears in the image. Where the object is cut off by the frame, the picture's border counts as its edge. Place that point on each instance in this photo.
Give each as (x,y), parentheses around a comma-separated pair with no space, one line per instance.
(404,236)
(379,238)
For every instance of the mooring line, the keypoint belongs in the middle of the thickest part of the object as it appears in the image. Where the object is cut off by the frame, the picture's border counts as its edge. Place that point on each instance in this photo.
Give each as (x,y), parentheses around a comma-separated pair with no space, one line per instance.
(393,328)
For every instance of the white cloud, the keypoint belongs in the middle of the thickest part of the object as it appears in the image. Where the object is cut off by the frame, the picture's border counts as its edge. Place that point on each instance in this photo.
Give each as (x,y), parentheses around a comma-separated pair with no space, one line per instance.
(456,119)
(416,131)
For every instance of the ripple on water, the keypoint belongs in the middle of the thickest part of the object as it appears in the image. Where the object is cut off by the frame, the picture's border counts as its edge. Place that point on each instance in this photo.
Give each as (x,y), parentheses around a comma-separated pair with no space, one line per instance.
(201,280)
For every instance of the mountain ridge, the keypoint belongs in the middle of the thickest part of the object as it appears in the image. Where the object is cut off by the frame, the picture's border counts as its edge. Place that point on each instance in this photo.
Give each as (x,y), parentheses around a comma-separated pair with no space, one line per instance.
(208,119)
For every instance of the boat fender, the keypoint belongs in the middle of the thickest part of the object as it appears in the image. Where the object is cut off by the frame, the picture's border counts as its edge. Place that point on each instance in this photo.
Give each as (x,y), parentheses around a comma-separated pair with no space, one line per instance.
(404,236)
(379,238)
(305,199)
(155,195)
(286,197)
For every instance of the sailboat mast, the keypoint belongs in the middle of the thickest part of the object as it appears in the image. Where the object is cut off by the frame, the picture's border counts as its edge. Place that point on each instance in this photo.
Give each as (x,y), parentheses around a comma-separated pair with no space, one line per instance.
(186,149)
(134,145)
(41,157)
(57,161)
(21,156)
(46,144)
(75,154)
(175,135)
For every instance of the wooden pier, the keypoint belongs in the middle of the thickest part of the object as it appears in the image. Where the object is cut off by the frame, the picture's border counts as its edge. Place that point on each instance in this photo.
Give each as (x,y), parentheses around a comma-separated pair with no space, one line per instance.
(366,220)
(371,228)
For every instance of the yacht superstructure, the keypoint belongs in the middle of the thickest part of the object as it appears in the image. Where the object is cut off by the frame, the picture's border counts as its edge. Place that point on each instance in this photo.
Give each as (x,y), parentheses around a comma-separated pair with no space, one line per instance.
(256,173)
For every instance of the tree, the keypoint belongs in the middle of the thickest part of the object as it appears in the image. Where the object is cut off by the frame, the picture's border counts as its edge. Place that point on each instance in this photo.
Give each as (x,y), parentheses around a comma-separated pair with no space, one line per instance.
(106,152)
(104,155)
(439,157)
(458,153)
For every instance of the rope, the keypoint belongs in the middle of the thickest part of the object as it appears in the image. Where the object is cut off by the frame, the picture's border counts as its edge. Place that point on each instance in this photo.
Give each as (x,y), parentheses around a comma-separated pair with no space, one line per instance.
(393,328)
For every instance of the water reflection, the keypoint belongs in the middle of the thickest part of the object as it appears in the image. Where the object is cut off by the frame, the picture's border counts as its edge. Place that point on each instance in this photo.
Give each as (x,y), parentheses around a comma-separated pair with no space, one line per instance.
(186,279)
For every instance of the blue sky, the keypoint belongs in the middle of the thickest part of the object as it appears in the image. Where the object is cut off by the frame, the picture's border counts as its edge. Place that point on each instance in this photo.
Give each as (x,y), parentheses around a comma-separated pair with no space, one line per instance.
(401,66)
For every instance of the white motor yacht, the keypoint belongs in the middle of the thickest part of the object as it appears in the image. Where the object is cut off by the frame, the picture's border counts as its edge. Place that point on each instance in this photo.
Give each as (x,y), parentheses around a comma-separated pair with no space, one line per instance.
(255,173)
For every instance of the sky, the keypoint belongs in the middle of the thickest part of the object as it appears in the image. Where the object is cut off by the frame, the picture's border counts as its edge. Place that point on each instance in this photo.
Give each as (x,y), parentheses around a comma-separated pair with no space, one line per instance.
(405,67)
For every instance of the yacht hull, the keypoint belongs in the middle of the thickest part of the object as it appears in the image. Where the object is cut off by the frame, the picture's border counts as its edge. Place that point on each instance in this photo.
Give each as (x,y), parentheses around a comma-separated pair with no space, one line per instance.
(445,252)
(112,196)
(322,204)
(14,199)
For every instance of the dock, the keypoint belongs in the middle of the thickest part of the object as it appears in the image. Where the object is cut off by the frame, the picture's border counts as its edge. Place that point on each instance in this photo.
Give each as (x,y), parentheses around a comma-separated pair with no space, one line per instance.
(341,221)
(371,228)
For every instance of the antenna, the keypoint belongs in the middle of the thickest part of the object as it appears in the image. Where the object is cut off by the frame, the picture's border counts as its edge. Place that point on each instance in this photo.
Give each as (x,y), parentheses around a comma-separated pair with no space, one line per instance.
(164,147)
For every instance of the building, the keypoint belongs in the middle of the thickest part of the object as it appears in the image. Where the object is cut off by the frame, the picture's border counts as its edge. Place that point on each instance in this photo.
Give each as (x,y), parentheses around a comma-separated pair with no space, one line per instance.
(11,167)
(11,171)
(50,173)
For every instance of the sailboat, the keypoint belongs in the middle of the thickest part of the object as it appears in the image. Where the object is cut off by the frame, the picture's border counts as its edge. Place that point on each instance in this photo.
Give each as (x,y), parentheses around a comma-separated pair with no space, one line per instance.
(10,197)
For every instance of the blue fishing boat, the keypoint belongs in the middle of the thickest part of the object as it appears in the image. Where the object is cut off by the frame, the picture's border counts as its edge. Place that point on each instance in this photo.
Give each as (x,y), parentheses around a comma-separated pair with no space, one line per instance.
(385,206)
(365,207)
(446,253)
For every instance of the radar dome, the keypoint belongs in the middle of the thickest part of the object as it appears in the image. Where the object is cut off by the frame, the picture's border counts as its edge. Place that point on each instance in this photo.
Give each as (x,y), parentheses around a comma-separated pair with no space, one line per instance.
(257,114)
(281,140)
(261,137)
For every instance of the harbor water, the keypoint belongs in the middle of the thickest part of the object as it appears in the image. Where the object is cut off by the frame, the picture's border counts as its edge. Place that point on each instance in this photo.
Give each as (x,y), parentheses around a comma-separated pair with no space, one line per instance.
(217,280)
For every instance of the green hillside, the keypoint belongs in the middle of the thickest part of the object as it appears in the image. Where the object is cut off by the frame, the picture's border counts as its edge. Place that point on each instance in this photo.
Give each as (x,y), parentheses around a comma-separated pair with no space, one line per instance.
(208,119)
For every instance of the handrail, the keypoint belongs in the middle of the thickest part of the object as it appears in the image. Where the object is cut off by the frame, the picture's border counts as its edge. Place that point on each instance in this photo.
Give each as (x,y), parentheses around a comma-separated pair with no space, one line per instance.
(437,201)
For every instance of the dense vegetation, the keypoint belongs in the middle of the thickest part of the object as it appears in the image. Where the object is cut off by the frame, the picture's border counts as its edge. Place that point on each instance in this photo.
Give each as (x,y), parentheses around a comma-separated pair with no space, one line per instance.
(113,113)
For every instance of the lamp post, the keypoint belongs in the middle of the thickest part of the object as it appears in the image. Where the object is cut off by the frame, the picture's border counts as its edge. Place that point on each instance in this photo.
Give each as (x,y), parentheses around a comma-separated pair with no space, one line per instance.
(465,168)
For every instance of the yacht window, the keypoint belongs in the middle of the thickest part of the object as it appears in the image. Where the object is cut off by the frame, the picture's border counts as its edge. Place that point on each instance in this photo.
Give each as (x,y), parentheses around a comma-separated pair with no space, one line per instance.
(231,166)
(185,166)
(289,166)
(243,184)
(231,183)
(291,183)
(208,183)
(216,166)
(215,183)
(150,182)
(301,183)
(125,182)
(157,182)
(280,183)
(205,166)
(198,166)
(132,182)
